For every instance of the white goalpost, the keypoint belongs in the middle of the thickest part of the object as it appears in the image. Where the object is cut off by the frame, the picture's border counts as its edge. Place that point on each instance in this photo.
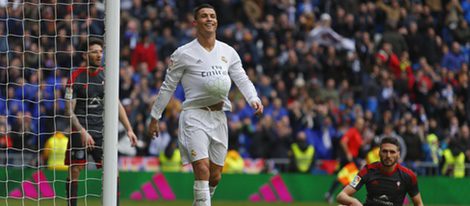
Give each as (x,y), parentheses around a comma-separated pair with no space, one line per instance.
(111,113)
(40,48)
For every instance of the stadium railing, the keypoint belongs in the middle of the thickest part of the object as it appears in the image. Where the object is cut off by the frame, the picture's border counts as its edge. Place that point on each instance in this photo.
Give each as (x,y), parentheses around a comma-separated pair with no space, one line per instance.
(274,165)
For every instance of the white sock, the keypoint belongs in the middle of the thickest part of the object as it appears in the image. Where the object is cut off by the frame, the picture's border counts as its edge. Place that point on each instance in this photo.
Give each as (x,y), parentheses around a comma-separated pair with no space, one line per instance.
(202,195)
(212,190)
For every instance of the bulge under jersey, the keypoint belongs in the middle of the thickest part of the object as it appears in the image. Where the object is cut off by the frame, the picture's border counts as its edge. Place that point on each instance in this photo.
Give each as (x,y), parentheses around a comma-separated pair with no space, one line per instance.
(205,76)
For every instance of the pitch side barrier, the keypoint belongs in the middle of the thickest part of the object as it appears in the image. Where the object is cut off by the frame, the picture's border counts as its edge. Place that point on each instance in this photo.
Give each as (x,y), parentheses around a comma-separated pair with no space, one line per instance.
(17,159)
(255,187)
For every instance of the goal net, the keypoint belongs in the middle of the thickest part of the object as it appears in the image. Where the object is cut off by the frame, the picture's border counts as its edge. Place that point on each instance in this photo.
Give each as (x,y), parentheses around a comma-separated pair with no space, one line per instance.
(40,47)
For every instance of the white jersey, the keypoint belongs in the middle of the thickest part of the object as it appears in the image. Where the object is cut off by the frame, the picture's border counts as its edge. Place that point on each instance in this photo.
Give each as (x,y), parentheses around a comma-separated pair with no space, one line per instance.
(206,77)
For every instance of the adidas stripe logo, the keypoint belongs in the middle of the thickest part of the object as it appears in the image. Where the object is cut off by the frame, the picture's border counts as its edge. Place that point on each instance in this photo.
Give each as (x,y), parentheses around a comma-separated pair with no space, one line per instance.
(30,189)
(273,191)
(155,189)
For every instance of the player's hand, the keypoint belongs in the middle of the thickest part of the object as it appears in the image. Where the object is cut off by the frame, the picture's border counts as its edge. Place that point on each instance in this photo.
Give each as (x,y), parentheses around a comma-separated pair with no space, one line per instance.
(258,107)
(153,129)
(87,139)
(132,138)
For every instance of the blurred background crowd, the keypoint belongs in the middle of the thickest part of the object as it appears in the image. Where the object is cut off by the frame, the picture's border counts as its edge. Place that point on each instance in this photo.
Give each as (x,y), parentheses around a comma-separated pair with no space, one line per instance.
(333,75)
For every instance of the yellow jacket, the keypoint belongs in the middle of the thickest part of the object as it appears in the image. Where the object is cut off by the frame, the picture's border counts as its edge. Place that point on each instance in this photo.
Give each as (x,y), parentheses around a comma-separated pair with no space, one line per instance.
(303,159)
(54,151)
(456,162)
(234,163)
(172,164)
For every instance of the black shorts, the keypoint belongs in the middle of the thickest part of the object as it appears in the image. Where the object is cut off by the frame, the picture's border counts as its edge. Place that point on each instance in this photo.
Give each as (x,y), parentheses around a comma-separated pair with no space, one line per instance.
(77,154)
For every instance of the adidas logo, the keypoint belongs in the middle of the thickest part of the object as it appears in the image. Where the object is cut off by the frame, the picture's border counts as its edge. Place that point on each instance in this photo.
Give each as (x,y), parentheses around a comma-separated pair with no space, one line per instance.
(154,189)
(383,197)
(273,191)
(201,200)
(30,189)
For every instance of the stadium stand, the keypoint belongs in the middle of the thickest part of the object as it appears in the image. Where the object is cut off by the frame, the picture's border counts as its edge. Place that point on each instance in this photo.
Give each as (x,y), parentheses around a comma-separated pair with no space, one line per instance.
(402,65)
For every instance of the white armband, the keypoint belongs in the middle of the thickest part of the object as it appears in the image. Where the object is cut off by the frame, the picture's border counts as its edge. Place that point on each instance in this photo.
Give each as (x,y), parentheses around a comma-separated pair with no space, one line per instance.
(68,93)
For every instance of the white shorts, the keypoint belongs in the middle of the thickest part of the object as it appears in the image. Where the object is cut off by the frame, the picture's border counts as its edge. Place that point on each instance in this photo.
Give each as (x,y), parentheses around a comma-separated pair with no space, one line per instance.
(203,134)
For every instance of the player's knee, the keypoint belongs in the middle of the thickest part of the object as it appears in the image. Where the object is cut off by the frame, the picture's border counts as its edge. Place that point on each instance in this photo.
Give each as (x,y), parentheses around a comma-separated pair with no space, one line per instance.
(215,178)
(201,170)
(75,172)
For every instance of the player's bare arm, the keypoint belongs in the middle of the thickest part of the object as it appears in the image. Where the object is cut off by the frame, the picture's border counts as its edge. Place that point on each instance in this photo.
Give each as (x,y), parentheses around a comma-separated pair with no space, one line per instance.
(125,121)
(87,139)
(345,197)
(417,201)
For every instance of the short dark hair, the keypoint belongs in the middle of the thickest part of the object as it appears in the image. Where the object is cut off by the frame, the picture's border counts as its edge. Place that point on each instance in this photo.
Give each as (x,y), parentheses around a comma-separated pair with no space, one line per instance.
(201,6)
(390,140)
(91,41)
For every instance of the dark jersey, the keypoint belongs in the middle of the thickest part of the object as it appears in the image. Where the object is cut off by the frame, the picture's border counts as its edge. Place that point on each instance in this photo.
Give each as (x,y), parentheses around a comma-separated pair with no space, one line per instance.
(88,90)
(386,189)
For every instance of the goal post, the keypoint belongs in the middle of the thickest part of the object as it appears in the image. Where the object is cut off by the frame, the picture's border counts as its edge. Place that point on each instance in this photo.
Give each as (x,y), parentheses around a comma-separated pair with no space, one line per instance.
(110,170)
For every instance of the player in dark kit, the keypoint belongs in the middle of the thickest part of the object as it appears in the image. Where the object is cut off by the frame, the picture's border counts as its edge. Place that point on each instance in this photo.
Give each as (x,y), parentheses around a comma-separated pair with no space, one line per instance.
(387,182)
(85,95)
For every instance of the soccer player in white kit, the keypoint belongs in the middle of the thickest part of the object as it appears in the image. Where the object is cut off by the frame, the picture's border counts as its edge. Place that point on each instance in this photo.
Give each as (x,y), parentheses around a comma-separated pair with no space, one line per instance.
(205,67)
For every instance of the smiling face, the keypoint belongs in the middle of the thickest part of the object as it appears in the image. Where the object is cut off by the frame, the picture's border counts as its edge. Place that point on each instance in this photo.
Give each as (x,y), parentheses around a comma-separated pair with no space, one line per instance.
(206,21)
(389,154)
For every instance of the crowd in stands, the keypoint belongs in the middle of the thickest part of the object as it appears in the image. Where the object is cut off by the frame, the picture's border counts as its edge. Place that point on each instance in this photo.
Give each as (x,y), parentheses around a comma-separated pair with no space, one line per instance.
(319,66)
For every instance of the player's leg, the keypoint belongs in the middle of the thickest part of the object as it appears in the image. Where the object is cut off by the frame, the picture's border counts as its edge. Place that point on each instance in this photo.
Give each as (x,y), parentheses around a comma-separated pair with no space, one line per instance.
(72,184)
(217,150)
(329,196)
(97,151)
(215,176)
(76,159)
(201,182)
(194,142)
(200,163)
(217,154)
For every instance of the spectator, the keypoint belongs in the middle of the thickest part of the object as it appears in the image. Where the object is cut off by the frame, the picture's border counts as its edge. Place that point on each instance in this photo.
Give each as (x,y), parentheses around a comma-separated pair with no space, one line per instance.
(350,145)
(454,11)
(315,77)
(412,140)
(454,59)
(392,11)
(453,161)
(23,134)
(233,163)
(5,140)
(302,154)
(324,139)
(430,45)
(145,51)
(462,34)
(158,145)
(170,159)
(54,151)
